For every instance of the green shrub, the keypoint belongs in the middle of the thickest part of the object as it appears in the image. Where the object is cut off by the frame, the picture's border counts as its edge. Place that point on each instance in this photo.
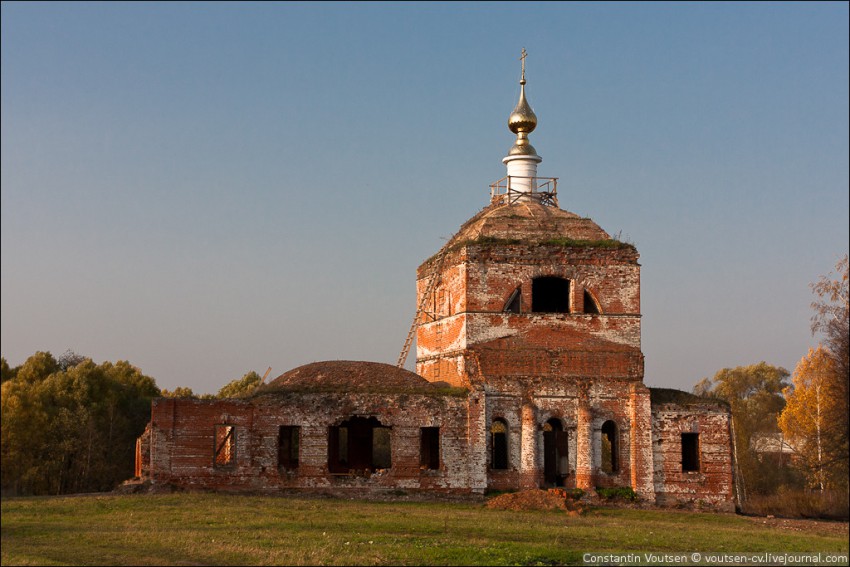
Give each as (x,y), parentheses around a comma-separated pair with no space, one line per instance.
(617,493)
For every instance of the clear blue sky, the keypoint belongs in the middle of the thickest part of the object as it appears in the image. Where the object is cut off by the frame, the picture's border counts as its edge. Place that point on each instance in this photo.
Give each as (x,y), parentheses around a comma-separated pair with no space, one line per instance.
(205,189)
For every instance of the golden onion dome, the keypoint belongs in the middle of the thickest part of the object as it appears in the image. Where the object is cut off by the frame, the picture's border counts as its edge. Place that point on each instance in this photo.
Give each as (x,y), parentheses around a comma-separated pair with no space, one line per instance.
(522,119)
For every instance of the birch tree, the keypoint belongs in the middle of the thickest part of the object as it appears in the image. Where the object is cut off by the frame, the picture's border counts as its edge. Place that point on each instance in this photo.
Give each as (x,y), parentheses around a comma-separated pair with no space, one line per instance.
(803,421)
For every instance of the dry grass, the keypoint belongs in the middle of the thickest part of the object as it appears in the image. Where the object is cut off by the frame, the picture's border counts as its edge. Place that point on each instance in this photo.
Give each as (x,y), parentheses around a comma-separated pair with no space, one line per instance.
(834,505)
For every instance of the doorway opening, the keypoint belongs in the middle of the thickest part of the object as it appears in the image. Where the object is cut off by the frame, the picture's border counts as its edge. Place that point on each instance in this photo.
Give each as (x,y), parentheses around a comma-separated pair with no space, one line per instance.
(556,462)
(359,444)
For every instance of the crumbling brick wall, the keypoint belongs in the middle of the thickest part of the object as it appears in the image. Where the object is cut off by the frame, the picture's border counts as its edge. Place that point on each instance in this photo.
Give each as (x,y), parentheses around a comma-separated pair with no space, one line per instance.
(575,367)
(712,484)
(582,366)
(183,439)
(480,278)
(482,329)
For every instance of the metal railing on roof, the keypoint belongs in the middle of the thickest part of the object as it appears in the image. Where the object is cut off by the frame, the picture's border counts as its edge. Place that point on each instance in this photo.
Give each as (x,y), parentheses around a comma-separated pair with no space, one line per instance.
(515,188)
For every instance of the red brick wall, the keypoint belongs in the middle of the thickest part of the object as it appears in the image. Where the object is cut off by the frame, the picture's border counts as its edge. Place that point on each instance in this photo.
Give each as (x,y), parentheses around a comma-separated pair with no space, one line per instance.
(466,315)
(182,439)
(711,486)
(535,365)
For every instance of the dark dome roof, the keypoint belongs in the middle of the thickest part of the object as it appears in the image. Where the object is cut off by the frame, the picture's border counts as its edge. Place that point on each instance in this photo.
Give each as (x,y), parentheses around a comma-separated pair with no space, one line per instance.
(348,376)
(529,222)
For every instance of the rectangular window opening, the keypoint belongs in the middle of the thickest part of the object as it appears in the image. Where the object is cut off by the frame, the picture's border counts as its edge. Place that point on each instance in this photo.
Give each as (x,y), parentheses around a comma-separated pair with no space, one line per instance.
(289,441)
(337,449)
(225,445)
(381,449)
(550,295)
(429,448)
(690,452)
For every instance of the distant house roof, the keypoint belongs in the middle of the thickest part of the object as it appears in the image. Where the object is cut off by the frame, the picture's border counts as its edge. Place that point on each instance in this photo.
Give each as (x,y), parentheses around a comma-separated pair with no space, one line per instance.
(763,443)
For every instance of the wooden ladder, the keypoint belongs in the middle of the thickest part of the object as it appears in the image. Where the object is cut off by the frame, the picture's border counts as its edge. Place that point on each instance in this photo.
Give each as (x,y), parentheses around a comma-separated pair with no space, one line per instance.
(432,282)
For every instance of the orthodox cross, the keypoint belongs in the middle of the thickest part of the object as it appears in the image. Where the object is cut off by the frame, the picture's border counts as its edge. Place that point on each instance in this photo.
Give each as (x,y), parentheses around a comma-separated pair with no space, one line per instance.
(522,58)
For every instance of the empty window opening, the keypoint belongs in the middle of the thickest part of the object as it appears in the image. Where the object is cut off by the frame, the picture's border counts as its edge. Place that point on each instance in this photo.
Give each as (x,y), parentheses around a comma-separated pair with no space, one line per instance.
(610,460)
(359,444)
(590,304)
(514,304)
(550,295)
(338,449)
(429,448)
(289,441)
(499,441)
(225,445)
(556,464)
(690,452)
(381,448)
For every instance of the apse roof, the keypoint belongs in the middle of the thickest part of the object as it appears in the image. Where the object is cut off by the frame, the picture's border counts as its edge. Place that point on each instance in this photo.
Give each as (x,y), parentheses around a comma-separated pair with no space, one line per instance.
(349,376)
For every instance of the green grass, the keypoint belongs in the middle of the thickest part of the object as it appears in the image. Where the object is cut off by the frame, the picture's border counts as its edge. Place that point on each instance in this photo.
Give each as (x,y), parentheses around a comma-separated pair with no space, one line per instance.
(220,529)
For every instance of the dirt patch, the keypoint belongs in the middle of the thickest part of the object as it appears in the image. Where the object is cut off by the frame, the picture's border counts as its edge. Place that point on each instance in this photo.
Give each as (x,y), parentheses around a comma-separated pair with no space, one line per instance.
(536,500)
(822,527)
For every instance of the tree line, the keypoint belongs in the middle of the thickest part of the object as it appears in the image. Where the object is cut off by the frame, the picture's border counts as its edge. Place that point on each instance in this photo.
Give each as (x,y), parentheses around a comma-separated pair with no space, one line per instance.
(807,418)
(70,425)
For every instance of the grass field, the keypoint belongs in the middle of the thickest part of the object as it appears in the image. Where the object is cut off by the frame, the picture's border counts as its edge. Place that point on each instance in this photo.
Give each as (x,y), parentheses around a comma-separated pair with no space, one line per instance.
(220,529)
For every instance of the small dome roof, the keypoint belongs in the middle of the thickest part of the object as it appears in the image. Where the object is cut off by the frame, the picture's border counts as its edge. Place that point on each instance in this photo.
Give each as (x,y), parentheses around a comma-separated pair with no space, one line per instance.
(528,221)
(348,376)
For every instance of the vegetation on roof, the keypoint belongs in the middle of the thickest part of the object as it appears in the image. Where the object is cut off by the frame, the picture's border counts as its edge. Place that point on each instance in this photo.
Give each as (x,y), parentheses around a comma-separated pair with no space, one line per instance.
(559,241)
(574,243)
(486,241)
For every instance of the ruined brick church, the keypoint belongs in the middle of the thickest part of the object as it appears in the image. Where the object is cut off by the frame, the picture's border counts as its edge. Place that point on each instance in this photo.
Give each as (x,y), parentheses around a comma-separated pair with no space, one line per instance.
(529,373)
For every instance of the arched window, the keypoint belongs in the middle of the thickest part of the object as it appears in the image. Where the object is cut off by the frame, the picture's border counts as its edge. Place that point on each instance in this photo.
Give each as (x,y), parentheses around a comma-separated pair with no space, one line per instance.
(610,447)
(499,443)
(590,304)
(550,295)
